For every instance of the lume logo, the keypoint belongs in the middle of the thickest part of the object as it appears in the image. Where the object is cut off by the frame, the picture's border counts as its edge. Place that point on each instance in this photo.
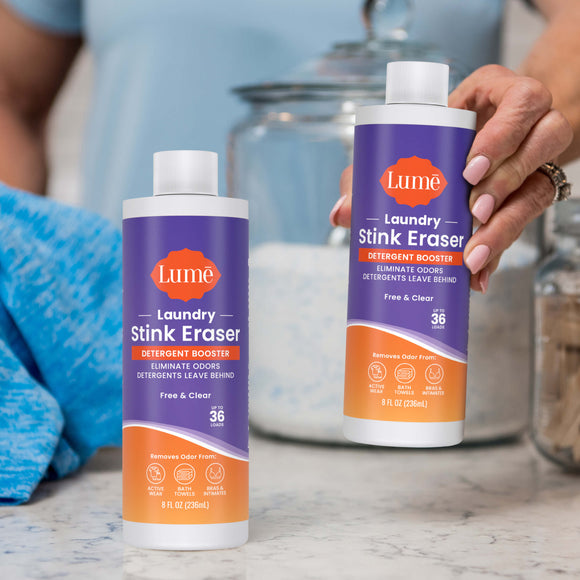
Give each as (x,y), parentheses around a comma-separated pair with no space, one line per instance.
(413,181)
(185,274)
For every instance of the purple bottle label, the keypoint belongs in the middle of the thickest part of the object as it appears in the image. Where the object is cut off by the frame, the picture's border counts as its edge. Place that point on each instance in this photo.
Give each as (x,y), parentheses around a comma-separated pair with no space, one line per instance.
(185,368)
(408,287)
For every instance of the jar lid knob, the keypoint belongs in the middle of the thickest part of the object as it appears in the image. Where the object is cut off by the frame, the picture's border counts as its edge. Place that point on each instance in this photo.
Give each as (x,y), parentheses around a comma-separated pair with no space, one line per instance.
(387,20)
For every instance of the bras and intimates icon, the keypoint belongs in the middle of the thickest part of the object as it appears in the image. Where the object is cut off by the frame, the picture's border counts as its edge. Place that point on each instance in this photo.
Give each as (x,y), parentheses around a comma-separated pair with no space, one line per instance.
(434,373)
(215,473)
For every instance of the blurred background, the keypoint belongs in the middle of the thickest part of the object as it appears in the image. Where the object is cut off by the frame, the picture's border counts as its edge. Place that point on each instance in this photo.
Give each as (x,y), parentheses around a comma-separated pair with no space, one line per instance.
(521,27)
(285,155)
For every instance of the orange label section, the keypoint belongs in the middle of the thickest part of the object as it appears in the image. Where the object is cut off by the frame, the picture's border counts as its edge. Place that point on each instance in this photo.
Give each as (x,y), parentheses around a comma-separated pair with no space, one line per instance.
(169,480)
(393,379)
(410,257)
(185,353)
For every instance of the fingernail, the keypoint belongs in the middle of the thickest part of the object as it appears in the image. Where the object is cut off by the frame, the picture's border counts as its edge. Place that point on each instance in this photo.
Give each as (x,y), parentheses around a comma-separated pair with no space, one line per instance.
(476,169)
(334,211)
(477,258)
(484,280)
(483,207)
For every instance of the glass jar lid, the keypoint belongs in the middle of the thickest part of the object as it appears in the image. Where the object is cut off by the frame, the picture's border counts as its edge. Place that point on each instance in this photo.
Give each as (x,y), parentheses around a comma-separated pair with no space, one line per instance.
(356,70)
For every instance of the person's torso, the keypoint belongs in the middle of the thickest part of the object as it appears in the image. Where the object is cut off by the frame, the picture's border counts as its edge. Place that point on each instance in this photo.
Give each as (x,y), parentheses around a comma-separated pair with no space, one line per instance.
(164,70)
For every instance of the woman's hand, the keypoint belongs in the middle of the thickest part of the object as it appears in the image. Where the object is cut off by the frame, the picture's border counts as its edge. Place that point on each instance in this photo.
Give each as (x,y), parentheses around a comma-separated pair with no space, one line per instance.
(517,131)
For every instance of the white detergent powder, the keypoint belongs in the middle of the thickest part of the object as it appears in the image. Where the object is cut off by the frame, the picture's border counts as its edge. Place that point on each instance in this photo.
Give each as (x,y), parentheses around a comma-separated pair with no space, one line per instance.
(298,304)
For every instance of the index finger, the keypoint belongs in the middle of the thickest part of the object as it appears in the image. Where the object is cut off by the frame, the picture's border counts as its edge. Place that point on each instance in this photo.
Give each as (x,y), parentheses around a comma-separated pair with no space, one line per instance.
(508,106)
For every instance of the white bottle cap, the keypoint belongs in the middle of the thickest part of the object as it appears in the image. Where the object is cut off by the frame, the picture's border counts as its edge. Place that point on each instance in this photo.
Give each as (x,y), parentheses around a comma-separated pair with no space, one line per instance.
(420,83)
(185,172)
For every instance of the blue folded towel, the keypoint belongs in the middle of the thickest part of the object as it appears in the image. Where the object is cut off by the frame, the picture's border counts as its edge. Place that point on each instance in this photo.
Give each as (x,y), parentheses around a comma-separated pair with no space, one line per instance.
(60,340)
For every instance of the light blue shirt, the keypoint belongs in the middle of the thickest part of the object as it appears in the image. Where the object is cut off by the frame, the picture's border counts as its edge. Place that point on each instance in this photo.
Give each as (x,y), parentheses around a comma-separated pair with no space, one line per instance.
(164,68)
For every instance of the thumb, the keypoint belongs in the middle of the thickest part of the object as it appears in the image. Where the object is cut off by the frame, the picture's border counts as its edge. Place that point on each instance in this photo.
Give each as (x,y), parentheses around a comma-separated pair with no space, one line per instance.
(340,213)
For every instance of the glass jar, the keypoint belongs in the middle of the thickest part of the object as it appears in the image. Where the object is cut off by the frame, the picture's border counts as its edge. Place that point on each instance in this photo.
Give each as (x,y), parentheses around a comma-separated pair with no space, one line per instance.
(556,397)
(286,157)
(500,346)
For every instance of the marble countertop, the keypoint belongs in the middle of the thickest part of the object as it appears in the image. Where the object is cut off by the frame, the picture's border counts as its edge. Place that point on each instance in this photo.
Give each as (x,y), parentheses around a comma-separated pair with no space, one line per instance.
(326,512)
